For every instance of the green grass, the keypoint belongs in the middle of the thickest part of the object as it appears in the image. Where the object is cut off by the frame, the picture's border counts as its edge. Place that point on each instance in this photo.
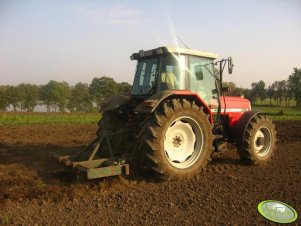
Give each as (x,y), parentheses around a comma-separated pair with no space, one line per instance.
(48,118)
(266,102)
(280,113)
(22,118)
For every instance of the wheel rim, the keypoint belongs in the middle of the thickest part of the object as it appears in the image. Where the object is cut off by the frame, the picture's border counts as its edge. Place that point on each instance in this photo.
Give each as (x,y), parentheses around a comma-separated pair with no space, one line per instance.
(262,141)
(183,142)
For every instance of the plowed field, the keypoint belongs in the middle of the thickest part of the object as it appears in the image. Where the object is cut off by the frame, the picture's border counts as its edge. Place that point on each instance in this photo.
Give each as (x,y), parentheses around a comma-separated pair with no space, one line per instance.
(35,189)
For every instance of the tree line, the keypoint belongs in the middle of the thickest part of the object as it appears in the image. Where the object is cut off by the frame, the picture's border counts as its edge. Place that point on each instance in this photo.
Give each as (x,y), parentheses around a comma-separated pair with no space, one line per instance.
(279,91)
(60,96)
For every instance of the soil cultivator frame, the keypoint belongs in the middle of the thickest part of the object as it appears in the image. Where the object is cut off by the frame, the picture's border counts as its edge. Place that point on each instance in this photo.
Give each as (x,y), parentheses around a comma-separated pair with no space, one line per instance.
(96,168)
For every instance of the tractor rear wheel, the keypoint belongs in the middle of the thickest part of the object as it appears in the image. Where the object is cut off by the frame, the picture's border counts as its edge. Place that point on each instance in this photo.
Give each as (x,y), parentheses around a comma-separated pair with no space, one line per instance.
(259,142)
(178,140)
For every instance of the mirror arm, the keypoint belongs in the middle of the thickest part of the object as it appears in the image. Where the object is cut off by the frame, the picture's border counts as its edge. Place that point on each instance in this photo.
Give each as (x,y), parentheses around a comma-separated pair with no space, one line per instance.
(222,65)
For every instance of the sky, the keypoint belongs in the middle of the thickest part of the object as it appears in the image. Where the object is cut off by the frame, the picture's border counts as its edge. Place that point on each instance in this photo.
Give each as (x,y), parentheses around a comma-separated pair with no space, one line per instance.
(76,40)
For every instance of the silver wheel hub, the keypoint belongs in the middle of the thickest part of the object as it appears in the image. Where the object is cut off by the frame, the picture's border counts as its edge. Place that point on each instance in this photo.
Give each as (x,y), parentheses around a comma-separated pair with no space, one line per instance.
(258,145)
(183,142)
(262,141)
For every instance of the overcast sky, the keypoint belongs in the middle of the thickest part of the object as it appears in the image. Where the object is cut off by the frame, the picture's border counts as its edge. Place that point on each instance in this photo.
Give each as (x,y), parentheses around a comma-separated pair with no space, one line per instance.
(75,41)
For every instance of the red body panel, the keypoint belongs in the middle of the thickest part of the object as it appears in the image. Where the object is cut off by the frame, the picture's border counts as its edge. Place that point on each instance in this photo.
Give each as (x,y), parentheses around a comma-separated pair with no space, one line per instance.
(234,107)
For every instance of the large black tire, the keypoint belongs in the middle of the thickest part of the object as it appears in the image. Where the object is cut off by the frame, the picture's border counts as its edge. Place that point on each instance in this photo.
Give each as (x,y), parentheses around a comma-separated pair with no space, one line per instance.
(176,128)
(259,142)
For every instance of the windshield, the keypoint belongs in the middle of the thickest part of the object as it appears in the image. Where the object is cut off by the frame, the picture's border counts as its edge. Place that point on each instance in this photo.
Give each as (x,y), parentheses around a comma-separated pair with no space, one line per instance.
(171,69)
(145,77)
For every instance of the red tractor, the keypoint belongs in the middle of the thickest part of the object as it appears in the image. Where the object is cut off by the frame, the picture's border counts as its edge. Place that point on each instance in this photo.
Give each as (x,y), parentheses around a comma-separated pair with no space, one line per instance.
(176,117)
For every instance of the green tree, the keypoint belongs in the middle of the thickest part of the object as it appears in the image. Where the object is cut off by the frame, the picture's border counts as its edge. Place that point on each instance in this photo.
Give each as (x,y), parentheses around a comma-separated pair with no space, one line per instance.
(22,93)
(276,92)
(13,96)
(124,87)
(287,93)
(258,91)
(280,89)
(253,94)
(27,96)
(64,95)
(246,93)
(261,90)
(31,95)
(233,90)
(80,99)
(271,92)
(294,82)
(102,88)
(55,94)
(3,98)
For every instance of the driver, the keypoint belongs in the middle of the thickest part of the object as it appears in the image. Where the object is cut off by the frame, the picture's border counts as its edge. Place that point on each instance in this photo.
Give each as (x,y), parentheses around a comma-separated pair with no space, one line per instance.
(169,79)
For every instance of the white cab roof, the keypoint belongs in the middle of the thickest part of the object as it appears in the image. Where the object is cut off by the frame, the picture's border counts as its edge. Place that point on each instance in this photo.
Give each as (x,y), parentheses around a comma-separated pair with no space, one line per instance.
(172,49)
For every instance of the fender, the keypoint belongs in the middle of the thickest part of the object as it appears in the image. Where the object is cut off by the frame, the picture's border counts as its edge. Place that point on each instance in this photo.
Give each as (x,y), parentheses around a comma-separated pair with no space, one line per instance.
(239,129)
(150,104)
(114,102)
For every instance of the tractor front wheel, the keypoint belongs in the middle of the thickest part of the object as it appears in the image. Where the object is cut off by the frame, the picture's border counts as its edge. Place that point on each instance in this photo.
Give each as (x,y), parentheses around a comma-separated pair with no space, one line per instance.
(259,141)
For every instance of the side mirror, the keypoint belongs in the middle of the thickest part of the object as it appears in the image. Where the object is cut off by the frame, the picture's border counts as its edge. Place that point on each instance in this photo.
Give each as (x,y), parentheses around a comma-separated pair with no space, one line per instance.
(230,65)
(198,72)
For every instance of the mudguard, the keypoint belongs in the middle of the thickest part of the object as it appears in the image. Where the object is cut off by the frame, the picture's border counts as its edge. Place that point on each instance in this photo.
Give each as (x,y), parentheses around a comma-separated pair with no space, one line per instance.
(150,104)
(239,129)
(114,102)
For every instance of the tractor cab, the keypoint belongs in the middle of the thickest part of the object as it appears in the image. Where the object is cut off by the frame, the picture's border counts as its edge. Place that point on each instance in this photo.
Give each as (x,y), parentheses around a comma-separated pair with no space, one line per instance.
(169,68)
(189,72)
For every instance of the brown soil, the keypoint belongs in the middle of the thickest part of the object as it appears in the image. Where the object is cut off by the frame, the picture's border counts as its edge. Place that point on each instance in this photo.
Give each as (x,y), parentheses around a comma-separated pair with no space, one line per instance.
(35,189)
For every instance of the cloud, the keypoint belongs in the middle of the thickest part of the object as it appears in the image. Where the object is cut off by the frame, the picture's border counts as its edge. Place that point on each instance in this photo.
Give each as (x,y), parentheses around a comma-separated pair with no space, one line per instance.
(116,14)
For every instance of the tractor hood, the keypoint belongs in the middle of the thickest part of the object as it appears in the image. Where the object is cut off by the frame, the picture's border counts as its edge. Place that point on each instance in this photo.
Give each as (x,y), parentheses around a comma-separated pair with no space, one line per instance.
(231,104)
(235,104)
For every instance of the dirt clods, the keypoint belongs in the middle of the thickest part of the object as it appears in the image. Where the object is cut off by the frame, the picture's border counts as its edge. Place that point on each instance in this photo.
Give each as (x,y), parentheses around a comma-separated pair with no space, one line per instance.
(37,190)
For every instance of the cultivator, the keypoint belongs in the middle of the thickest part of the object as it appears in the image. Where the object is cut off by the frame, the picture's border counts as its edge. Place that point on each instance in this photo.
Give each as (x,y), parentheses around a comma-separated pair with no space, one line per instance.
(88,162)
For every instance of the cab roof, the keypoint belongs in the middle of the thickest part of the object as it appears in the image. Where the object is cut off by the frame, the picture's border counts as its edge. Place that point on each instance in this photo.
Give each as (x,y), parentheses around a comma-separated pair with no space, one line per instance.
(171,49)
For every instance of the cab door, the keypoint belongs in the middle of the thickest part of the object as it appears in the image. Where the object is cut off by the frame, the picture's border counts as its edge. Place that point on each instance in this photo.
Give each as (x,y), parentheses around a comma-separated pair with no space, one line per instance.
(201,78)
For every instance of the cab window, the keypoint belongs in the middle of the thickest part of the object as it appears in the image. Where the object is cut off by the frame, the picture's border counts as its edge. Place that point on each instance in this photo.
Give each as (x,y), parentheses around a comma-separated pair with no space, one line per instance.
(201,78)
